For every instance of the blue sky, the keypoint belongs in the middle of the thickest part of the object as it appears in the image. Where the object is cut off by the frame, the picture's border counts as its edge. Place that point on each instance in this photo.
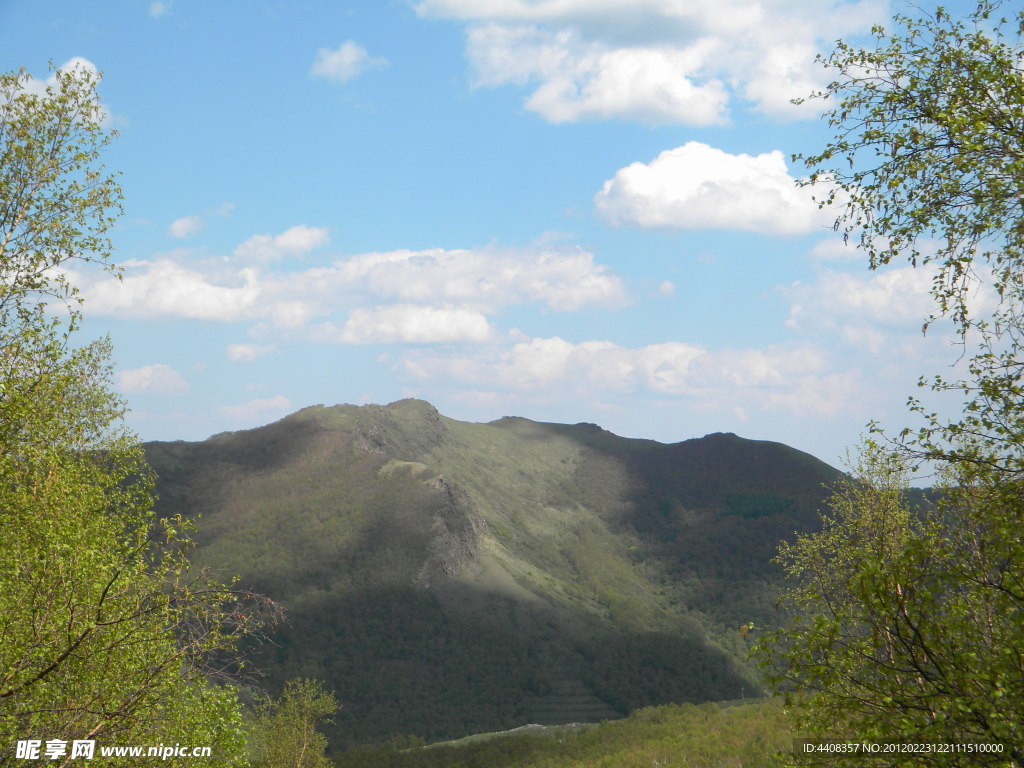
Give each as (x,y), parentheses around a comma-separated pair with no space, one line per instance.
(569,210)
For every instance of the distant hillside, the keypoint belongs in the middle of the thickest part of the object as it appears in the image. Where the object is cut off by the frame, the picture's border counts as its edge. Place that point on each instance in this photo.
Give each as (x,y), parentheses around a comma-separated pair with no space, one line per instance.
(446,578)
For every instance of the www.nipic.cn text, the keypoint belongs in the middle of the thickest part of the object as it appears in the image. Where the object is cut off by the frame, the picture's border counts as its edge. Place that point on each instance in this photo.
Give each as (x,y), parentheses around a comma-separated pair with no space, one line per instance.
(55,749)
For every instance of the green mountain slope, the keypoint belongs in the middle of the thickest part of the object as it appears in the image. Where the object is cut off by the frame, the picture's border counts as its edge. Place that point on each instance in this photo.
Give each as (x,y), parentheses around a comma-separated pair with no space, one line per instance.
(445,577)
(746,733)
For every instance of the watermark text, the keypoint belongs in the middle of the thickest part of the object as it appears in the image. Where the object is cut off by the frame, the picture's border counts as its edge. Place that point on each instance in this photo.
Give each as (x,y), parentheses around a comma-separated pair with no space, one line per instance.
(86,749)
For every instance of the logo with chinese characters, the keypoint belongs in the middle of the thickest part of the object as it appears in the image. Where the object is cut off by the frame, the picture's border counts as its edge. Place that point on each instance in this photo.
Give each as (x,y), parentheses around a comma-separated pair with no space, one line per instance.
(51,749)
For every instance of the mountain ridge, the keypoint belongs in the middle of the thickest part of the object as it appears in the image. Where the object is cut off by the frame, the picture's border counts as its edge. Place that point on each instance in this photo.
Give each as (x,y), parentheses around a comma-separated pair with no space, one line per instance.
(446,576)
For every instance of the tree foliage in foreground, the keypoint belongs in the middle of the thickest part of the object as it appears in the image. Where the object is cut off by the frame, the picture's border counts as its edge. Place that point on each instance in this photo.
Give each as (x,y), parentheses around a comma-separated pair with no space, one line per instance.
(284,732)
(929,154)
(905,624)
(104,632)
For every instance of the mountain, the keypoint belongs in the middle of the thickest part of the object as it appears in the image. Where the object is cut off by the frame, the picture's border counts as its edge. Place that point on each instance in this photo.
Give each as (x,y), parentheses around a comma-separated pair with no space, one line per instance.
(445,577)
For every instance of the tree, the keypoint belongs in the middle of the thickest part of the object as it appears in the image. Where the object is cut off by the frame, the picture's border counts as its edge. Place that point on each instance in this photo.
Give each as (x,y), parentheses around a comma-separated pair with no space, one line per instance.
(904,621)
(929,148)
(904,624)
(929,154)
(284,732)
(105,632)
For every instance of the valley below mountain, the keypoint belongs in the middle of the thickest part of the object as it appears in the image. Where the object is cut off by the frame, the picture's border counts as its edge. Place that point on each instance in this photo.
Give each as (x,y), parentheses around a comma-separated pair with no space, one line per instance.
(445,577)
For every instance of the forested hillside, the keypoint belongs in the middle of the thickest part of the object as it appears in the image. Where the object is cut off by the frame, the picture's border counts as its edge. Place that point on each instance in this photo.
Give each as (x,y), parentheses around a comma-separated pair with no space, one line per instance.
(445,578)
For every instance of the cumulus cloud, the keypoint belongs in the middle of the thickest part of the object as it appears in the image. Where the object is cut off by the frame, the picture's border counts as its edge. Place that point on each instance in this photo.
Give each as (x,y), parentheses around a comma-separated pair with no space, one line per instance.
(344,63)
(430,296)
(186,226)
(582,80)
(151,379)
(292,242)
(164,288)
(408,323)
(256,408)
(699,187)
(770,378)
(246,353)
(159,8)
(655,60)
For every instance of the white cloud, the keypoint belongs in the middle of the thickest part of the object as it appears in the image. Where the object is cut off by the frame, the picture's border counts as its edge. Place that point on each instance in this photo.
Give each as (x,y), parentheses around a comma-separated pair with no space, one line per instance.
(780,73)
(699,187)
(549,11)
(565,279)
(881,312)
(438,296)
(655,60)
(165,289)
(156,379)
(186,226)
(778,367)
(408,323)
(770,378)
(836,249)
(825,395)
(888,299)
(256,408)
(246,353)
(346,62)
(159,8)
(292,242)
(591,81)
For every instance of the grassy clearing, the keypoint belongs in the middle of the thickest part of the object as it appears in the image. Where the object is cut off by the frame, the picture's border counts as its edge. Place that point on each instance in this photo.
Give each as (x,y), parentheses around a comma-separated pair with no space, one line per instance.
(706,736)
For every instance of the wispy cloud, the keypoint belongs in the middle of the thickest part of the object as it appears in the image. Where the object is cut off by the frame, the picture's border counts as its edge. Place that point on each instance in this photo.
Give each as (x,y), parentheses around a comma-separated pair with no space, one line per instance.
(152,379)
(247,353)
(186,226)
(881,312)
(344,63)
(160,8)
(779,377)
(256,409)
(408,323)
